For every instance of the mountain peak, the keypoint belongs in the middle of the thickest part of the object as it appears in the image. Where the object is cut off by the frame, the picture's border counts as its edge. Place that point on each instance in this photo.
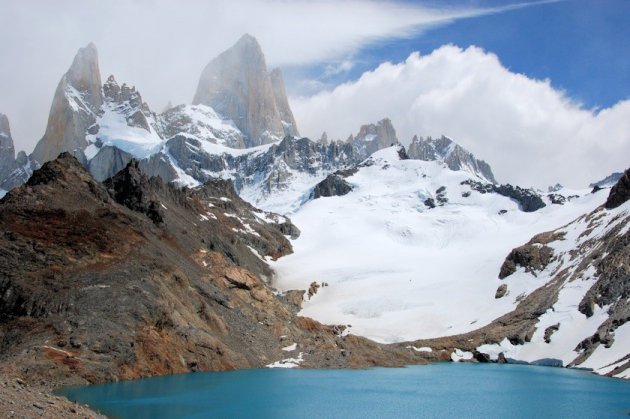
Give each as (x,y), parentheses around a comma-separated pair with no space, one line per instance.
(374,137)
(77,101)
(238,86)
(247,40)
(84,74)
(5,129)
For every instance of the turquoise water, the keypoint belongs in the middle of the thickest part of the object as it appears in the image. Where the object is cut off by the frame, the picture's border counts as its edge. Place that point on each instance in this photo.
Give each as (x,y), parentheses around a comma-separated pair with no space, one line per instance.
(434,391)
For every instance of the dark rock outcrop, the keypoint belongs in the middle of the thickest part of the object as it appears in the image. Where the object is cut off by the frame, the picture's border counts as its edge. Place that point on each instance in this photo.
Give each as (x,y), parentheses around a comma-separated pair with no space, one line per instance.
(550,331)
(619,193)
(333,185)
(528,200)
(501,291)
(533,256)
(131,188)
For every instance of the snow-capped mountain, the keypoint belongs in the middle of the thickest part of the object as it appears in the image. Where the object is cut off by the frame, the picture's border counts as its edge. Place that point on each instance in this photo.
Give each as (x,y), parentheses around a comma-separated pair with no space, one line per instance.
(278,176)
(189,144)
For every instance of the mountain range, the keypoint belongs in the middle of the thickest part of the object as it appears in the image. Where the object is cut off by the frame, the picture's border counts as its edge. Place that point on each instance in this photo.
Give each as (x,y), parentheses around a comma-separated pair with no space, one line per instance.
(392,255)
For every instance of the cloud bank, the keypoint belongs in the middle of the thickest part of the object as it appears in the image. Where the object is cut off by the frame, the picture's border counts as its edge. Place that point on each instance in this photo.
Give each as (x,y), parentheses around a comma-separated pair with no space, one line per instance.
(530,133)
(161,46)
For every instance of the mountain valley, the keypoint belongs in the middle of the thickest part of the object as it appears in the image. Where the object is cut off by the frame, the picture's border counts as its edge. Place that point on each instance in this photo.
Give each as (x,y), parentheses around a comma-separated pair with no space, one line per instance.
(212,236)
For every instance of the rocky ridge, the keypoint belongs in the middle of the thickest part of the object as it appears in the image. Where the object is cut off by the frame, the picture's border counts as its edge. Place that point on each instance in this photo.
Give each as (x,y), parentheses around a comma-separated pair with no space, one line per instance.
(528,199)
(584,269)
(450,153)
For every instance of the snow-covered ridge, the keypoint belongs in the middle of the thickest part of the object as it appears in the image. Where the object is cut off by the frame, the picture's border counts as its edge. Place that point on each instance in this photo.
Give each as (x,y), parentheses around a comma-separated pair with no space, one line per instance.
(397,268)
(578,329)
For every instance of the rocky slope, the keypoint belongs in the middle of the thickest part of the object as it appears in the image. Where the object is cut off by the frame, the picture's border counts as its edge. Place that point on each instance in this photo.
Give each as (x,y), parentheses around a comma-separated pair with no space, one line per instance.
(238,85)
(577,314)
(132,277)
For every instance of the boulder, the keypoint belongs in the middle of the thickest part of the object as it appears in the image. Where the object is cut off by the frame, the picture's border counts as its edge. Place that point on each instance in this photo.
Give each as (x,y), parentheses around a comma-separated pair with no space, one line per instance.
(501,291)
(333,185)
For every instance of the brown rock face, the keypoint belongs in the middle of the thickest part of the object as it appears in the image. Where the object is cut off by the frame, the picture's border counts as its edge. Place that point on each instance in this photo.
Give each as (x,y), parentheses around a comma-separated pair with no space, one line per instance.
(76,104)
(534,256)
(619,193)
(134,278)
(237,85)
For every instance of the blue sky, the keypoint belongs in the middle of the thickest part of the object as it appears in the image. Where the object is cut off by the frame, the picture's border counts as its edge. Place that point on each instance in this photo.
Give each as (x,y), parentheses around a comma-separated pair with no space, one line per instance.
(582,46)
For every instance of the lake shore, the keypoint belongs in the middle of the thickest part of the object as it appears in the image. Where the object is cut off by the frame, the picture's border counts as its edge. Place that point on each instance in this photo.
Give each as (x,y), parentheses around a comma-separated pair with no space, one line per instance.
(21,400)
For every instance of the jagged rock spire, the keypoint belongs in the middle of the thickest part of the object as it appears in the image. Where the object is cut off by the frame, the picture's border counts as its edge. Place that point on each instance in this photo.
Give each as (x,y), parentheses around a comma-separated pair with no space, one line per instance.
(282,103)
(85,76)
(374,137)
(238,86)
(7,149)
(77,102)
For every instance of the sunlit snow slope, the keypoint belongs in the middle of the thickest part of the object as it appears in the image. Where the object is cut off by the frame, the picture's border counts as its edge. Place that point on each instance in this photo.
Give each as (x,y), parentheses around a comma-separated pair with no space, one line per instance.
(398,270)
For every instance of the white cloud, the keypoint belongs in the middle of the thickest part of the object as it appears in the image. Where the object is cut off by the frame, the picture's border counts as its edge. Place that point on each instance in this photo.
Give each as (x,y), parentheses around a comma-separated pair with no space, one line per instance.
(161,46)
(530,133)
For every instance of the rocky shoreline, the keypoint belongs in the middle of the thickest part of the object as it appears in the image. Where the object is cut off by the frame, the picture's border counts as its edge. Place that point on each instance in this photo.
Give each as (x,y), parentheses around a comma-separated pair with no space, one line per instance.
(21,400)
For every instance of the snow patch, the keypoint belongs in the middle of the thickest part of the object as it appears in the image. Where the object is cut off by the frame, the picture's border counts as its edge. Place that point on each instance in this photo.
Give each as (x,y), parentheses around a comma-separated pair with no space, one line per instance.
(459,355)
(290,348)
(288,362)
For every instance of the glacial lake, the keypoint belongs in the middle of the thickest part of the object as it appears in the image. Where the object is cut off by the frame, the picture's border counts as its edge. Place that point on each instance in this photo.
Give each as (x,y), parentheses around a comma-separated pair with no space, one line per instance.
(434,391)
